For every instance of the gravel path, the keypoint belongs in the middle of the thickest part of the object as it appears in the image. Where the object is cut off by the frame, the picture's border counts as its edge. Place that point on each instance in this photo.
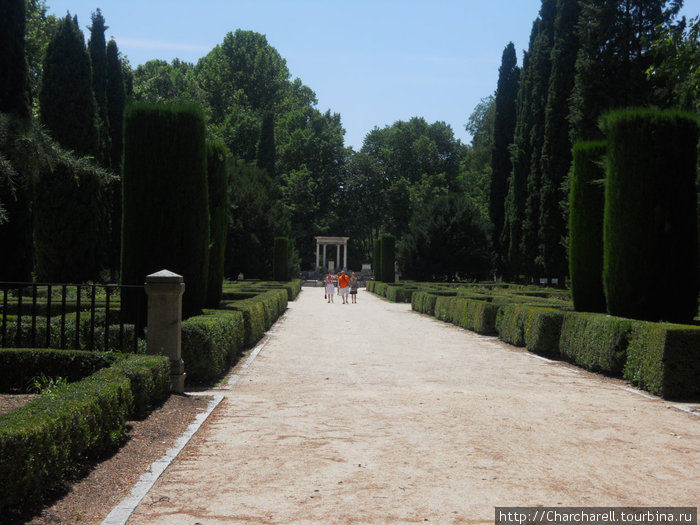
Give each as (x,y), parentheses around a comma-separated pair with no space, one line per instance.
(372,413)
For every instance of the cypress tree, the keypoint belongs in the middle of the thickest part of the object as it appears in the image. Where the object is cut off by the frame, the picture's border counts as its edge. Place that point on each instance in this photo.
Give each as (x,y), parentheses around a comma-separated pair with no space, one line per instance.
(586,205)
(66,100)
(650,230)
(98,61)
(165,219)
(116,102)
(280,263)
(503,130)
(613,58)
(266,145)
(540,69)
(217,180)
(520,152)
(377,259)
(388,257)
(556,149)
(14,80)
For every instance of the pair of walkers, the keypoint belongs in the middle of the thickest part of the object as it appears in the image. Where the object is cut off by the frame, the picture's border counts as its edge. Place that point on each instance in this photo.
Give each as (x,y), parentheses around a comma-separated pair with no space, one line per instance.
(346,285)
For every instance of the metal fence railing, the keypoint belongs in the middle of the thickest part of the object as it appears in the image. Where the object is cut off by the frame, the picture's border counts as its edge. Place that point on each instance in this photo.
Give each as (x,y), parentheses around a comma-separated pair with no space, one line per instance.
(75,316)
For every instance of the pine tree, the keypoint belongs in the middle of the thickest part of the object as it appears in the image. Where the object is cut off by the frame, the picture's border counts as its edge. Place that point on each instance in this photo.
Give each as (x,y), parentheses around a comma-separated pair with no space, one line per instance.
(540,68)
(98,61)
(503,130)
(14,82)
(611,65)
(556,150)
(66,101)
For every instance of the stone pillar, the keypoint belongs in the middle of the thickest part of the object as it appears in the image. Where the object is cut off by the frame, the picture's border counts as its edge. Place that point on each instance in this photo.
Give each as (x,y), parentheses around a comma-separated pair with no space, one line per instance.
(337,257)
(164,336)
(316,274)
(345,256)
(324,257)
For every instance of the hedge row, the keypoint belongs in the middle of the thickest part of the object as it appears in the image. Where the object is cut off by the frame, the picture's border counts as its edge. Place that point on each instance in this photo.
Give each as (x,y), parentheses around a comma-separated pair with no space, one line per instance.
(40,441)
(662,358)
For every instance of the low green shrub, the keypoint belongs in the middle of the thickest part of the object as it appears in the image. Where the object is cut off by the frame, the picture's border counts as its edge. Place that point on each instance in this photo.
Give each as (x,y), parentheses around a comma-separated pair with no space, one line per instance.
(42,440)
(380,289)
(664,359)
(511,322)
(596,342)
(398,293)
(424,302)
(542,331)
(211,343)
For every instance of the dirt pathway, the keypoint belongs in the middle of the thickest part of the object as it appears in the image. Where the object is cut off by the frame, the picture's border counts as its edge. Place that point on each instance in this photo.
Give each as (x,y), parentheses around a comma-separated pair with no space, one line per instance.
(371,413)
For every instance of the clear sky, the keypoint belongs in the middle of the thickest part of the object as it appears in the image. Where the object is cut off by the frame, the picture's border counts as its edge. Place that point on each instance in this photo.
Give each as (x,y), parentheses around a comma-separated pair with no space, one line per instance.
(372,61)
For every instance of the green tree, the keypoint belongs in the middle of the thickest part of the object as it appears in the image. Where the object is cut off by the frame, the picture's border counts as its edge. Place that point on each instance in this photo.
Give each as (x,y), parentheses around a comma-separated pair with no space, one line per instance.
(66,100)
(614,56)
(157,82)
(266,145)
(503,131)
(39,32)
(116,102)
(14,88)
(476,175)
(217,184)
(556,148)
(97,49)
(539,73)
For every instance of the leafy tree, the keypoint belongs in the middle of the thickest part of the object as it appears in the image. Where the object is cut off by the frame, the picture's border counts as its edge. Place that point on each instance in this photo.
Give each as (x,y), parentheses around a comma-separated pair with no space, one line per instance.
(476,175)
(447,239)
(39,32)
(14,89)
(556,148)
(503,131)
(67,103)
(266,145)
(97,49)
(156,81)
(614,56)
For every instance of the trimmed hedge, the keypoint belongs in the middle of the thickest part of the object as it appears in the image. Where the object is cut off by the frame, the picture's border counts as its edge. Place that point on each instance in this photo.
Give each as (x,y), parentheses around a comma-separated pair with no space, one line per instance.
(664,359)
(596,342)
(40,441)
(586,205)
(259,313)
(211,343)
(542,331)
(650,223)
(423,302)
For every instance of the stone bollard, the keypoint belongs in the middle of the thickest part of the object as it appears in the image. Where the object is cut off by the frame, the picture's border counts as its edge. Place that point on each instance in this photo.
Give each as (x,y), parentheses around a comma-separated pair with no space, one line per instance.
(164,336)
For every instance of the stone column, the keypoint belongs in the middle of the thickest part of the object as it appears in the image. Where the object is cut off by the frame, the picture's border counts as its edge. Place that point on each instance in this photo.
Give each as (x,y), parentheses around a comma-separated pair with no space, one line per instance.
(164,336)
(345,256)
(324,257)
(316,274)
(337,257)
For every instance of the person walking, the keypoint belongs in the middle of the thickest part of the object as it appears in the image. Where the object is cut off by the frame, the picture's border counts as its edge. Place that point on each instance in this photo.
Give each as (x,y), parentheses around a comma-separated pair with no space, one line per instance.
(353,288)
(343,286)
(330,289)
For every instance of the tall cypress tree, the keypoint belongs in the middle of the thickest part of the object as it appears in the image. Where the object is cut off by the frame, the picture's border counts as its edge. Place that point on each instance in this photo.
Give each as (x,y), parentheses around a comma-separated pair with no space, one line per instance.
(520,160)
(14,82)
(66,100)
(613,58)
(116,102)
(556,149)
(540,69)
(503,130)
(98,60)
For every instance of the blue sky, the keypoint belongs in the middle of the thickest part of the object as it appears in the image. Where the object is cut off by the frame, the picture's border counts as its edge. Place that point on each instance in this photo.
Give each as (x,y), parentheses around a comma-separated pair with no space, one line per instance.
(372,61)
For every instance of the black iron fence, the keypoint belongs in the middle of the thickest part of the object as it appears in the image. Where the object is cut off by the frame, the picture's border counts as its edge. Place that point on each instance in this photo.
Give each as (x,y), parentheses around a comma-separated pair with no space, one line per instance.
(75,316)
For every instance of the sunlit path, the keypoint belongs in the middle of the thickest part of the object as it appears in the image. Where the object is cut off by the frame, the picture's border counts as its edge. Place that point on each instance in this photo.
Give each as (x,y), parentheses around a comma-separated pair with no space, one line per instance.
(371,413)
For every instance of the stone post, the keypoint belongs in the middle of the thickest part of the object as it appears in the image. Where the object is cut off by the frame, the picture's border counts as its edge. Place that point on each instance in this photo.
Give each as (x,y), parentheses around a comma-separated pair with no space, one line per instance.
(164,336)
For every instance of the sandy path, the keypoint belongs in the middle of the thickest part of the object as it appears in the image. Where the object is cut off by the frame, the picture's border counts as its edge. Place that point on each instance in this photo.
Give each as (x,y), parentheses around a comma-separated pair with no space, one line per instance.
(372,413)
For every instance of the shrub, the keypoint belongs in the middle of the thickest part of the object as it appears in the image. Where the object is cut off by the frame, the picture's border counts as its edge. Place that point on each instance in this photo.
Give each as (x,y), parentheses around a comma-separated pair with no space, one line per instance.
(217,183)
(424,303)
(664,359)
(211,343)
(377,259)
(542,331)
(596,342)
(388,256)
(280,261)
(165,219)
(40,441)
(650,237)
(586,204)
(511,322)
